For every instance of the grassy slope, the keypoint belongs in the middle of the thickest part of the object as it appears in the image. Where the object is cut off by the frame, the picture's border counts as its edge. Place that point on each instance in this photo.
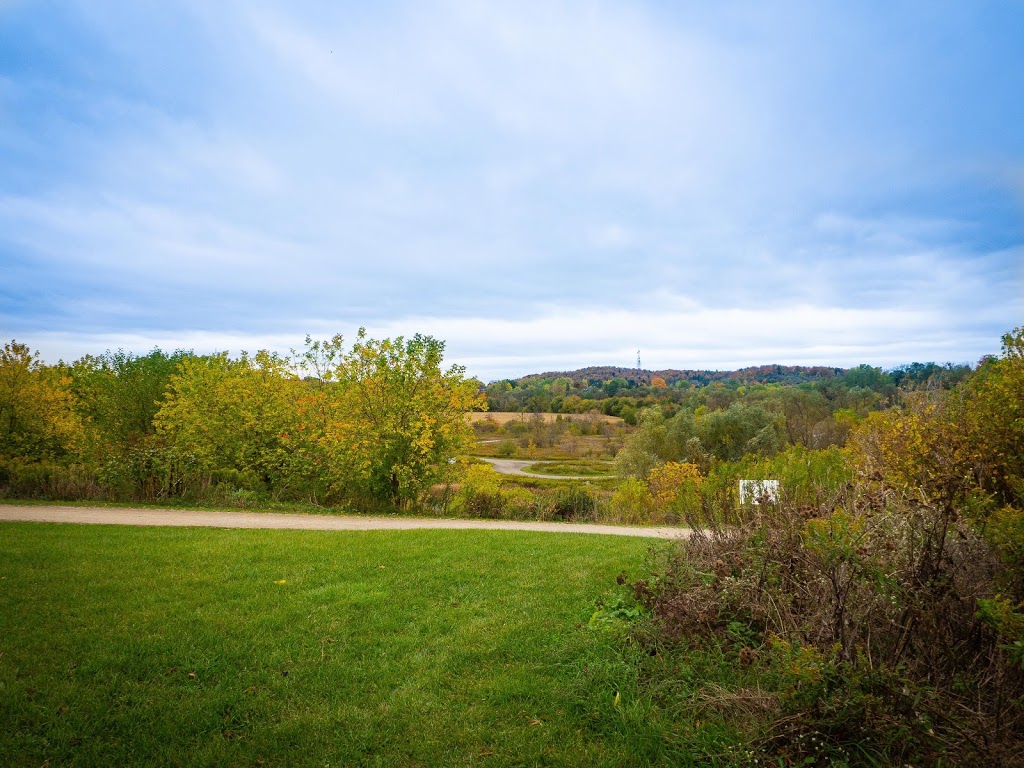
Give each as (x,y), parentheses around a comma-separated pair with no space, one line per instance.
(175,646)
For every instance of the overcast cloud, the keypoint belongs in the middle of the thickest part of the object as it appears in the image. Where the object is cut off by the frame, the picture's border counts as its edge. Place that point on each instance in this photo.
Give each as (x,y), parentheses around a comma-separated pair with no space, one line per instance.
(543,185)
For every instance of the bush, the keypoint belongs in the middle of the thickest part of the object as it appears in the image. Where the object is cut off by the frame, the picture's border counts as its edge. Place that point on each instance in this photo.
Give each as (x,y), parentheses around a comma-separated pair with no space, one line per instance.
(507,449)
(27,479)
(632,503)
(867,626)
(151,472)
(481,494)
(881,603)
(675,489)
(574,502)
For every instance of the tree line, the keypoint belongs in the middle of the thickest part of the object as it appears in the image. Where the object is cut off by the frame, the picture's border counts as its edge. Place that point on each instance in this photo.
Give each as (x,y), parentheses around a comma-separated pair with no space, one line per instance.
(374,424)
(623,392)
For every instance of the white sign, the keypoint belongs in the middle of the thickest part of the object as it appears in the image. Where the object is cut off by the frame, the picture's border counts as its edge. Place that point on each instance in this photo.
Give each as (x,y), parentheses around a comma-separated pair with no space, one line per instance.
(757,491)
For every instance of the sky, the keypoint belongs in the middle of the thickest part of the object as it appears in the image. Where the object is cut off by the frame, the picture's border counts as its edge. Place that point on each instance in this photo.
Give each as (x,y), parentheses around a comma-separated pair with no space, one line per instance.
(543,185)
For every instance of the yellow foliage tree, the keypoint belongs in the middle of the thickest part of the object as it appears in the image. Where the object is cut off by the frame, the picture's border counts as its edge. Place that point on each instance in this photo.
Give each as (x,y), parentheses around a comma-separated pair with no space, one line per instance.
(995,419)
(943,447)
(673,485)
(233,414)
(387,418)
(37,414)
(916,450)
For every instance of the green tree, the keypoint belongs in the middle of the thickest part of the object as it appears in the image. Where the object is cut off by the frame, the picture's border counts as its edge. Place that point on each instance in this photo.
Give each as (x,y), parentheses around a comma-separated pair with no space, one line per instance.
(118,395)
(738,430)
(866,377)
(645,448)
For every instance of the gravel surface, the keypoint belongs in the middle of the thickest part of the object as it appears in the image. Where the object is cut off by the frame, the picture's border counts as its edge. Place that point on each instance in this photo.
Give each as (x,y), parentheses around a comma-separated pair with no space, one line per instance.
(211,519)
(516,466)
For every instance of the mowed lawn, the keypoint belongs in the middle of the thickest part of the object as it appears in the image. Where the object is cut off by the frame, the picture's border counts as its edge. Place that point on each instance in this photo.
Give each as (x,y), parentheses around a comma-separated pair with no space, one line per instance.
(159,646)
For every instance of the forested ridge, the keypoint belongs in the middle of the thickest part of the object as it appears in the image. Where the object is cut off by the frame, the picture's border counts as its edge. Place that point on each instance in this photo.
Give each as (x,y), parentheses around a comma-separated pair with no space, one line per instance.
(755,374)
(625,392)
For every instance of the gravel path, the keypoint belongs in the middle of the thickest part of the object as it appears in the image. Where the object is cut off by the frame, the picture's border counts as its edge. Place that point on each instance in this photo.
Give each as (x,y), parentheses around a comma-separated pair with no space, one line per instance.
(516,466)
(208,519)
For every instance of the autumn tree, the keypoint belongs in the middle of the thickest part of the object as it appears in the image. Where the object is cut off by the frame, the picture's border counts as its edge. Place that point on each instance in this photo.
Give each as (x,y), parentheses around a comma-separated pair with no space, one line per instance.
(953,446)
(37,416)
(233,414)
(387,418)
(674,487)
(996,419)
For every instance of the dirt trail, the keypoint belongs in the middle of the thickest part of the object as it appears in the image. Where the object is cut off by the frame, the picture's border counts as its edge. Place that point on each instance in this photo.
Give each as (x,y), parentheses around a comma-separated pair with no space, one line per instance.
(210,519)
(516,467)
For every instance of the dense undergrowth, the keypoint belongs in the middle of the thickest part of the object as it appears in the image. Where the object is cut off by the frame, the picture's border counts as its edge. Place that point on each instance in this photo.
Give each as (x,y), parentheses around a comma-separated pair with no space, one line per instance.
(876,621)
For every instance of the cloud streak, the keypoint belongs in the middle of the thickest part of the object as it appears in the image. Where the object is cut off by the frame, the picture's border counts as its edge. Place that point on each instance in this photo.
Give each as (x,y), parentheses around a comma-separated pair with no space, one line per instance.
(510,178)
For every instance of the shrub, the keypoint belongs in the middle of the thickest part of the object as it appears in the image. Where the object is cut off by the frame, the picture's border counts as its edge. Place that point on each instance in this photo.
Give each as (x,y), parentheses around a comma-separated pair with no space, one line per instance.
(574,502)
(151,472)
(507,449)
(482,494)
(27,479)
(632,503)
(479,494)
(675,489)
(864,625)
(880,602)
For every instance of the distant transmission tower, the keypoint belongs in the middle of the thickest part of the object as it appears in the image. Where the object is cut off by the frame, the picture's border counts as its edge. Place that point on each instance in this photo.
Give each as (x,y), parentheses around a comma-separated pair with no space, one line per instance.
(638,366)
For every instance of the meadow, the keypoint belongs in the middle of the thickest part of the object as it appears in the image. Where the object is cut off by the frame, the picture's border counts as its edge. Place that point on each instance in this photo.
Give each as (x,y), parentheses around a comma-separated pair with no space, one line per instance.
(123,646)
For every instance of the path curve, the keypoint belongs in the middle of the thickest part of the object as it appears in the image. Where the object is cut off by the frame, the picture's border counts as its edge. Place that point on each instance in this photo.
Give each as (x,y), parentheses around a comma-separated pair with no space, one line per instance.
(516,467)
(215,519)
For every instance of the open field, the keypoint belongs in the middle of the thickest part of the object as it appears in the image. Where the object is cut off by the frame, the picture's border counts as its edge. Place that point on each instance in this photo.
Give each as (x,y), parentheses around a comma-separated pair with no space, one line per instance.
(563,469)
(174,646)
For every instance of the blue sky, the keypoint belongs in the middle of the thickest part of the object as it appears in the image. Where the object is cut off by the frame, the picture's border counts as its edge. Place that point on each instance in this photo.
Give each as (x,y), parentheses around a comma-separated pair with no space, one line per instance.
(543,185)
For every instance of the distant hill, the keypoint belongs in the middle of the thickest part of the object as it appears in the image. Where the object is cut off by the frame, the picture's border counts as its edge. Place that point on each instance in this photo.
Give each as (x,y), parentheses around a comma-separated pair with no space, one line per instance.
(763,374)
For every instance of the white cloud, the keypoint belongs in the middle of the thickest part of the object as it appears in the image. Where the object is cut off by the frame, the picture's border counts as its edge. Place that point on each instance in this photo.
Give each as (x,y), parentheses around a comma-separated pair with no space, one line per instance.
(542,181)
(565,338)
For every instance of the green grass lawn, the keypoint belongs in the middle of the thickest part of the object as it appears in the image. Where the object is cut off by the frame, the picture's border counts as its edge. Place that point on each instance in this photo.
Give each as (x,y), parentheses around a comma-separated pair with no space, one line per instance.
(160,646)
